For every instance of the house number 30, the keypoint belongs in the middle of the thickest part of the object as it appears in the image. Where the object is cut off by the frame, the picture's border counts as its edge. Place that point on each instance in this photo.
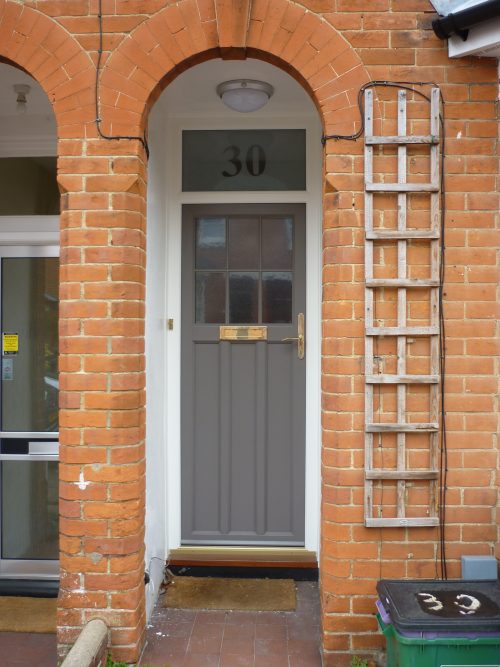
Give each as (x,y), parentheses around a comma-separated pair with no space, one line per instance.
(255,160)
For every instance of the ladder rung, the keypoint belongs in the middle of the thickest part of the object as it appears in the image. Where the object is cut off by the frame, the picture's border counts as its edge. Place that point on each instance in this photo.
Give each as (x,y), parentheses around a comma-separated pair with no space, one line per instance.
(412,139)
(389,234)
(402,379)
(401,282)
(402,331)
(403,522)
(401,474)
(402,187)
(420,427)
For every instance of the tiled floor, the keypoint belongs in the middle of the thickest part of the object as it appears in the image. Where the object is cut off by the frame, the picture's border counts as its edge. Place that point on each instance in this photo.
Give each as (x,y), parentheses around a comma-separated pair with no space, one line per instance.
(20,649)
(185,638)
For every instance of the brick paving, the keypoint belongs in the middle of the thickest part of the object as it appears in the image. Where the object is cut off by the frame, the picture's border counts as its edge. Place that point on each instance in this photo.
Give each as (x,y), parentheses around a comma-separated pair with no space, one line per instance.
(187,638)
(22,649)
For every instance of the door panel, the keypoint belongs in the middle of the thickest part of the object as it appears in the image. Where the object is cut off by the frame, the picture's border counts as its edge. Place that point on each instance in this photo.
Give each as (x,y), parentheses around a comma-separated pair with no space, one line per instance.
(243,401)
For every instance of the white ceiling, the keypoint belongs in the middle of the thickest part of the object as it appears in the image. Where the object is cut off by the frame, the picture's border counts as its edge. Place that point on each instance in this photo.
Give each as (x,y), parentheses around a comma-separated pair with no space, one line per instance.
(38,102)
(193,92)
(31,133)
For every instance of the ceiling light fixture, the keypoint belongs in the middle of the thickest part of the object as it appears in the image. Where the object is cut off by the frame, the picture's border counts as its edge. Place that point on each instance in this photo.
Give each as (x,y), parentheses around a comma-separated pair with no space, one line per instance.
(21,90)
(245,95)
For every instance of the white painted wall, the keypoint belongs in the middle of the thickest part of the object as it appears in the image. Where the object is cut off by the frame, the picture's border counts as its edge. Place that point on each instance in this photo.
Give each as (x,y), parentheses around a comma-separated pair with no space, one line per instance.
(156,510)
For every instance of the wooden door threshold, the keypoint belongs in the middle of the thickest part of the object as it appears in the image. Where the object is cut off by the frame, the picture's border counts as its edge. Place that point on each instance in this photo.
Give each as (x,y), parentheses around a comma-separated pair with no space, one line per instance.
(261,557)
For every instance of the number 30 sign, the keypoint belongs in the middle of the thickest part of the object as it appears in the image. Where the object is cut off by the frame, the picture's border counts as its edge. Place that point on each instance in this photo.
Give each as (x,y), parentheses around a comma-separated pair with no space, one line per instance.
(255,160)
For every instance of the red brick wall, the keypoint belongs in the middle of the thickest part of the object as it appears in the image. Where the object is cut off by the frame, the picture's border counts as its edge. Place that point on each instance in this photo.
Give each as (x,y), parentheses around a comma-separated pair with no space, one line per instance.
(332,47)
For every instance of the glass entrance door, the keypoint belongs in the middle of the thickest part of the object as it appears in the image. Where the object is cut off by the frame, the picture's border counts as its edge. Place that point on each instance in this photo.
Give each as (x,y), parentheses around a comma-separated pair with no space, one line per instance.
(29,310)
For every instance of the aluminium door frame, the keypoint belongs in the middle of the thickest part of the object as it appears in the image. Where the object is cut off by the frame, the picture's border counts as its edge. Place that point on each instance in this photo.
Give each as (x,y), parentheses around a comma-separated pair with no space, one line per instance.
(18,246)
(175,199)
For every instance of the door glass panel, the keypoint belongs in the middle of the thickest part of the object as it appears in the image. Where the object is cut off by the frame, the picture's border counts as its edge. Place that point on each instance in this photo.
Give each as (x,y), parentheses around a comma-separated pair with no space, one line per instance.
(30,308)
(30,509)
(211,243)
(244,243)
(277,243)
(210,297)
(276,297)
(28,186)
(243,298)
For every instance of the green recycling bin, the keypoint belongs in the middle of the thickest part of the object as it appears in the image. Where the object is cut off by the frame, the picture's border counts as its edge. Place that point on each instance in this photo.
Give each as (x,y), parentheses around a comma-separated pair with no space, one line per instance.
(439,652)
(429,623)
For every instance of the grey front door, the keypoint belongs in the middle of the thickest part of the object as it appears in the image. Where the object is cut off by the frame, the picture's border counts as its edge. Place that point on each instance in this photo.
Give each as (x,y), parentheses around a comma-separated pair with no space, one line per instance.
(243,386)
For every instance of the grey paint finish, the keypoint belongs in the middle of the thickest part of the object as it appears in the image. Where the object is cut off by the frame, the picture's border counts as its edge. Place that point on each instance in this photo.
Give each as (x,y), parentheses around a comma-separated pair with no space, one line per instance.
(243,414)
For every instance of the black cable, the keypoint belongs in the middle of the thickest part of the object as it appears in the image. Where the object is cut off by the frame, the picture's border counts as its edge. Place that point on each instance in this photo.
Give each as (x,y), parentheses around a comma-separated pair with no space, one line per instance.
(405,85)
(443,466)
(98,119)
(443,459)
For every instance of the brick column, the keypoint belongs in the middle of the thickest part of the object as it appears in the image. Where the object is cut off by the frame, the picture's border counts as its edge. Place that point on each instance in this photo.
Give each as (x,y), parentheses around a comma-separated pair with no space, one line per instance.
(102,417)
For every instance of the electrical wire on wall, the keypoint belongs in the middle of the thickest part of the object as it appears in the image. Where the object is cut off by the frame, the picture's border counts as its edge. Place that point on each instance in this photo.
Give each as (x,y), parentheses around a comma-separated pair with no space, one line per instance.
(98,119)
(443,459)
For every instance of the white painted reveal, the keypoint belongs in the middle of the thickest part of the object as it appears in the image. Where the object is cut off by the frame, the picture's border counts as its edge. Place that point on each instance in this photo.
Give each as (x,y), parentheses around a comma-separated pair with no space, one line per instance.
(191,102)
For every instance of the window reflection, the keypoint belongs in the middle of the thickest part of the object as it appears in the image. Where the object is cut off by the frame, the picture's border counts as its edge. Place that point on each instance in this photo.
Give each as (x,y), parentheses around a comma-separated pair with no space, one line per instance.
(277,243)
(243,298)
(211,243)
(276,297)
(210,297)
(30,309)
(244,243)
(32,530)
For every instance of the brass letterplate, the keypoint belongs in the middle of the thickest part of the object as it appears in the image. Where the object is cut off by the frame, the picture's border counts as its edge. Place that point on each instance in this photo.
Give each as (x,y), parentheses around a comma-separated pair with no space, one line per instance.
(243,333)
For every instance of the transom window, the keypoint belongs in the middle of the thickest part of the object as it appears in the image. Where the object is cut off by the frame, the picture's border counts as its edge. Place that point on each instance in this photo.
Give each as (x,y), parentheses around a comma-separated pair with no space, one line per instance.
(244,160)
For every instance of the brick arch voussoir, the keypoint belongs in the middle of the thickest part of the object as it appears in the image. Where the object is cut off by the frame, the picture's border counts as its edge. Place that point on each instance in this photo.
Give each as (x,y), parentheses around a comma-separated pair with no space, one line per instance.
(312,48)
(190,31)
(150,56)
(54,58)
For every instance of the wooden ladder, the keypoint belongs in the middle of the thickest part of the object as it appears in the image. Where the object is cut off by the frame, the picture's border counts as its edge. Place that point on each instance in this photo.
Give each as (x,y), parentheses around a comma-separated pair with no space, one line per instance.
(401,474)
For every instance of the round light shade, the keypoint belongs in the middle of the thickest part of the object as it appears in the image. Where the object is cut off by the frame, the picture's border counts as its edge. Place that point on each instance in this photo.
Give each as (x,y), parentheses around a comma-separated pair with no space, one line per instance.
(244,95)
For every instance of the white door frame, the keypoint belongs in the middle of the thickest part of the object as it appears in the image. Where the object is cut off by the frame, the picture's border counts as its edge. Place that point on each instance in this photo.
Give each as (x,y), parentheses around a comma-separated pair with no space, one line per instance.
(175,199)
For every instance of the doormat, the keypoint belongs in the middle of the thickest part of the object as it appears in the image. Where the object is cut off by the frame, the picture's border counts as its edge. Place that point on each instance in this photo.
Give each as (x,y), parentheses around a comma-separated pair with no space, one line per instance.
(20,614)
(224,593)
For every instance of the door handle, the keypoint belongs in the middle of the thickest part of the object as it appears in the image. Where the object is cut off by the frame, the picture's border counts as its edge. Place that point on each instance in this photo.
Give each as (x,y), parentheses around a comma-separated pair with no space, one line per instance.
(300,338)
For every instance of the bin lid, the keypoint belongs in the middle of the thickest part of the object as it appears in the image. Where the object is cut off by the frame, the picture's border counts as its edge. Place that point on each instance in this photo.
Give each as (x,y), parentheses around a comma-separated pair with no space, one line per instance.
(429,605)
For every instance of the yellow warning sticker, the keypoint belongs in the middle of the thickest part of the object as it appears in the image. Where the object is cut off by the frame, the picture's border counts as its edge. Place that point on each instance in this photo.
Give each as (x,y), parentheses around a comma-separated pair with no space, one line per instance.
(10,343)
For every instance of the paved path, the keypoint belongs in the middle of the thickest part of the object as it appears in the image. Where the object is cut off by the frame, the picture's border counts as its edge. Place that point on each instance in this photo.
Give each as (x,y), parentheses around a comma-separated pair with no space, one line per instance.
(21,649)
(185,638)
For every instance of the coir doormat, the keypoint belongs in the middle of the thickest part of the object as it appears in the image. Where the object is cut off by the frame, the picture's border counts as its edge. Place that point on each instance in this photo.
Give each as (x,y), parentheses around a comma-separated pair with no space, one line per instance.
(231,594)
(20,614)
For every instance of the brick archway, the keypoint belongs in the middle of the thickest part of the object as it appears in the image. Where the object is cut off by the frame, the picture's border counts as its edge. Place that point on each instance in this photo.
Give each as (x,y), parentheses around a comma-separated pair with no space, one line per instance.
(281,31)
(55,59)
